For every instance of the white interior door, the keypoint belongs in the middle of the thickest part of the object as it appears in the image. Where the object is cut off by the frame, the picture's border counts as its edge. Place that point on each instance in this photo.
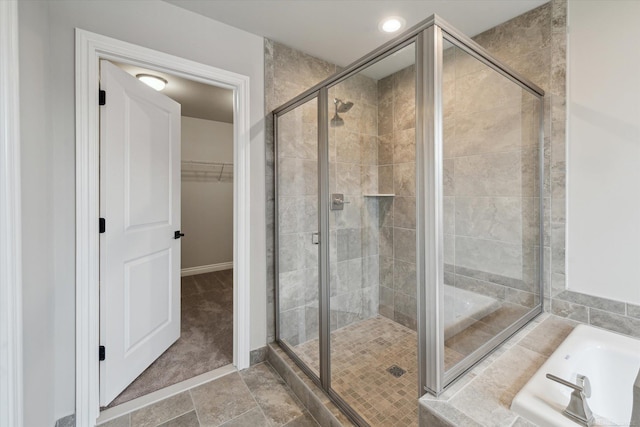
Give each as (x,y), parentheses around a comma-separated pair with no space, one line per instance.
(140,201)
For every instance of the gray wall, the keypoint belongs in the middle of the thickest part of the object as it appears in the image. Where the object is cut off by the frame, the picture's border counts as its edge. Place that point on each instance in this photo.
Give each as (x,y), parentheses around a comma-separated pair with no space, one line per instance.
(207,197)
(44,285)
(48,162)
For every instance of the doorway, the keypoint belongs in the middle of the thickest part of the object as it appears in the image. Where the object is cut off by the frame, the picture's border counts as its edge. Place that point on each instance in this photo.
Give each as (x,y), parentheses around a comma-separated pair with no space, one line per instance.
(205,306)
(90,49)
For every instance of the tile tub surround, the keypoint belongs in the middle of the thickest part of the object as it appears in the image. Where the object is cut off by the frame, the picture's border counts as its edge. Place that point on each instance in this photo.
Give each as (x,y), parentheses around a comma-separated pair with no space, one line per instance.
(483,396)
(616,316)
(611,362)
(256,396)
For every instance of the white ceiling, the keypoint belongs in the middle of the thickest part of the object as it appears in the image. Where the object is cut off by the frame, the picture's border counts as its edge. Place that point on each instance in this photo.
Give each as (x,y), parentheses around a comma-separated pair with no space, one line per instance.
(197,99)
(341,31)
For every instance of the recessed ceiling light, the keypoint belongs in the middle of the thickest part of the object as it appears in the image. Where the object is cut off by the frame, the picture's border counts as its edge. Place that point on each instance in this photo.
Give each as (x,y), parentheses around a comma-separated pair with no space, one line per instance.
(391,24)
(158,83)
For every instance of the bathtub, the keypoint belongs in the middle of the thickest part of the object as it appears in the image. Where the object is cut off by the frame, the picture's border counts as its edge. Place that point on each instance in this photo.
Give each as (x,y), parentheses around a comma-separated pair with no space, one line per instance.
(463,308)
(611,361)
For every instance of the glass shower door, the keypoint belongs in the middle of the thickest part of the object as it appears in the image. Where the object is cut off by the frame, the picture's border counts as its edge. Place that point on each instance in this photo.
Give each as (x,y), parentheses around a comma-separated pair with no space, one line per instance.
(491,209)
(372,240)
(297,232)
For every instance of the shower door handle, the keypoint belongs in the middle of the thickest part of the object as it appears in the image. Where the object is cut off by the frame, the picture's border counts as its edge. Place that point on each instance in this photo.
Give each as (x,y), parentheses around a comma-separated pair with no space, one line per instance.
(315,238)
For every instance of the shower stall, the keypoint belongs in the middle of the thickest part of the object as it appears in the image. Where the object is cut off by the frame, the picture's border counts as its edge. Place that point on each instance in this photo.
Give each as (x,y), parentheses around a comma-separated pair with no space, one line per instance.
(408,220)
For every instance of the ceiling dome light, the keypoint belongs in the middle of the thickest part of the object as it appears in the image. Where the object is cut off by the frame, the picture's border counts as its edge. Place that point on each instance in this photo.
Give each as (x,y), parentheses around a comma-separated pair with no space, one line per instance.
(391,24)
(158,83)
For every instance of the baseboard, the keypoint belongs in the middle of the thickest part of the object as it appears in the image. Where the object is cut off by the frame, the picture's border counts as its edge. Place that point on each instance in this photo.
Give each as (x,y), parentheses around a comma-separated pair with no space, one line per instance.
(68,421)
(206,269)
(258,355)
(164,393)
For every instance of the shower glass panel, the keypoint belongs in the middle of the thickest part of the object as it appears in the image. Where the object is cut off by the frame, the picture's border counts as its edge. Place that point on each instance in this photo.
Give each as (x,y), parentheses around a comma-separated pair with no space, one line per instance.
(297,227)
(408,220)
(491,220)
(372,238)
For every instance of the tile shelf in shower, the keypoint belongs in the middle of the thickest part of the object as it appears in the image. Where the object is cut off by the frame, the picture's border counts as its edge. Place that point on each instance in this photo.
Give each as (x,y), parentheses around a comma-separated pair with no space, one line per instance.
(379,195)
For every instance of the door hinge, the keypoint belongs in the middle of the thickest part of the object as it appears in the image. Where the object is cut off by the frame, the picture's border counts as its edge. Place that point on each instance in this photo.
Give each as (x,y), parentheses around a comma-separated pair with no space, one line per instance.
(103,225)
(101,353)
(102,97)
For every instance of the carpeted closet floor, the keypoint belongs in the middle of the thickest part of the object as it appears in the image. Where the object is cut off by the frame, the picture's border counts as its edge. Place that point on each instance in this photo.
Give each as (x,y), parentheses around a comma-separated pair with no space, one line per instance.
(206,338)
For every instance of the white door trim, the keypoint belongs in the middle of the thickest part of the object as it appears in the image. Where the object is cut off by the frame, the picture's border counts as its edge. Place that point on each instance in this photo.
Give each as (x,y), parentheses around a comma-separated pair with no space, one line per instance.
(90,48)
(10,224)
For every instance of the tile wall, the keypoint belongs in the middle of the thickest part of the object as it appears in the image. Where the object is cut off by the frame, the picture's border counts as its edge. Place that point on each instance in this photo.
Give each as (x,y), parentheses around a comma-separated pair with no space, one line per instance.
(397,214)
(534,44)
(491,191)
(353,154)
(288,73)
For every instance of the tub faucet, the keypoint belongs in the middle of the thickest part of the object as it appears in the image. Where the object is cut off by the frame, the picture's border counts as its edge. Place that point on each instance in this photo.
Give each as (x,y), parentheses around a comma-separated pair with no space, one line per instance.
(578,409)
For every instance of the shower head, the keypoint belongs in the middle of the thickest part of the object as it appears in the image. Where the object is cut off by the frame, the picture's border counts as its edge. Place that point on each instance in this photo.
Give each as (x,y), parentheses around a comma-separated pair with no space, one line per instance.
(337,121)
(342,107)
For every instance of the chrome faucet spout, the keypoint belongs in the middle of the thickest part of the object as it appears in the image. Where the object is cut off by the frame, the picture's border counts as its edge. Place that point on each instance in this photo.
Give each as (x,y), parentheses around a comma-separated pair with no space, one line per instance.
(578,409)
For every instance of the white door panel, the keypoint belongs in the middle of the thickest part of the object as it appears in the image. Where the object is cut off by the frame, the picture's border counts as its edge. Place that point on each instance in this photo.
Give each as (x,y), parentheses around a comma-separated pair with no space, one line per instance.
(140,200)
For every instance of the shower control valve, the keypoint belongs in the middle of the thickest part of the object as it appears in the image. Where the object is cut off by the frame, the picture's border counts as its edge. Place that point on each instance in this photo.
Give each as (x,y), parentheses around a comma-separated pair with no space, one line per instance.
(337,202)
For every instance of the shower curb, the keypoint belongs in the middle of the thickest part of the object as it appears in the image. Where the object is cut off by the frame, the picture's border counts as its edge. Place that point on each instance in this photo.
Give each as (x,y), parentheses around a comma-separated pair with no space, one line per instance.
(311,396)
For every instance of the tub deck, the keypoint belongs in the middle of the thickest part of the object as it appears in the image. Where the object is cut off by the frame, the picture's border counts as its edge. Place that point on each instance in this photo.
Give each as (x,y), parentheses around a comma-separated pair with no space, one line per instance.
(611,362)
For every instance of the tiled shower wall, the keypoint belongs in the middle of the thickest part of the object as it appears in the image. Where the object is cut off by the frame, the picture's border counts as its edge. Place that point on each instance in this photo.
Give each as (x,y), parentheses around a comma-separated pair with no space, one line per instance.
(287,73)
(353,153)
(491,201)
(397,214)
(530,44)
(534,44)
(297,220)
(353,173)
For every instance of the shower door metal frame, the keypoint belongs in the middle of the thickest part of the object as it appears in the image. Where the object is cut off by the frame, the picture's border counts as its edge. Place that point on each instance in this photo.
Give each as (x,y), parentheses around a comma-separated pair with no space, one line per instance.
(436,377)
(429,37)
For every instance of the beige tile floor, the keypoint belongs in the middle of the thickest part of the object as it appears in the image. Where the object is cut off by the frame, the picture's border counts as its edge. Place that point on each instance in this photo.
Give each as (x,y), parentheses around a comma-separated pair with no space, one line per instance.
(362,353)
(206,336)
(254,397)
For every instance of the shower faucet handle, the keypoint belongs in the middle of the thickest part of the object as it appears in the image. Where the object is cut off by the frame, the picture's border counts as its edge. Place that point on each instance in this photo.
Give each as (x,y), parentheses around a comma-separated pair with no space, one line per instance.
(337,202)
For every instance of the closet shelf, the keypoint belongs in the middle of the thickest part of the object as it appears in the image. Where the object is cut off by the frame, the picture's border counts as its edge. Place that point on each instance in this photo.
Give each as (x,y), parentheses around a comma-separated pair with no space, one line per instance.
(217,169)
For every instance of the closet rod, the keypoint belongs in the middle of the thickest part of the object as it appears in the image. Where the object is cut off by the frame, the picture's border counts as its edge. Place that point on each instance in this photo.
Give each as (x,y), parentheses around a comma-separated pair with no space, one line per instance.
(197,163)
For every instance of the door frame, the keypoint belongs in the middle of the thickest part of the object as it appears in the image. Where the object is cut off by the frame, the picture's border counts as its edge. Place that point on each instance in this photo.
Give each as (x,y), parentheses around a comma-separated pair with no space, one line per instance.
(11,379)
(90,49)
